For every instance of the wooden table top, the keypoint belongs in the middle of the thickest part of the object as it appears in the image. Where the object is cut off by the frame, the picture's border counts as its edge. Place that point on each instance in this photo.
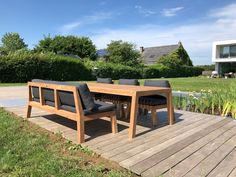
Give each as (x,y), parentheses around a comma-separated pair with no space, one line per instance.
(128,90)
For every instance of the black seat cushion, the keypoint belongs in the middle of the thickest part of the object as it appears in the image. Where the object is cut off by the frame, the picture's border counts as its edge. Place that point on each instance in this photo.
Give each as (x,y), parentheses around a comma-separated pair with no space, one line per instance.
(128,82)
(99,107)
(153,100)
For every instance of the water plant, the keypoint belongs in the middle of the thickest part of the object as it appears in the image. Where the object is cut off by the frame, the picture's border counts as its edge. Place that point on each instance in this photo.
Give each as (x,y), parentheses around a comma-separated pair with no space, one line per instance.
(218,101)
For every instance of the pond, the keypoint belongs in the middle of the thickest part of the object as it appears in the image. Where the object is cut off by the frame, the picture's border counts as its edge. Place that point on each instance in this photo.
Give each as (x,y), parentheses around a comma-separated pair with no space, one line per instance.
(221,101)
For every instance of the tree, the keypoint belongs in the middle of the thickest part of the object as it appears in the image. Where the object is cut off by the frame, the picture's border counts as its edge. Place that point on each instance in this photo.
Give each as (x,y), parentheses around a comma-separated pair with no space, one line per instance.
(82,47)
(123,53)
(177,58)
(12,42)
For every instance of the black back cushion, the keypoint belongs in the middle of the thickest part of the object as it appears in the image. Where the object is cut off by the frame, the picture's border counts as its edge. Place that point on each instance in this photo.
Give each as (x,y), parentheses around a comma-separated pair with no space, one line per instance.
(67,98)
(48,94)
(128,82)
(105,80)
(157,83)
(86,97)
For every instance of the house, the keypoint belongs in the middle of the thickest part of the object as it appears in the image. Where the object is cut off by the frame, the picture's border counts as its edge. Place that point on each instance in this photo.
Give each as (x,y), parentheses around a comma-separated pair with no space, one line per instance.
(151,55)
(224,56)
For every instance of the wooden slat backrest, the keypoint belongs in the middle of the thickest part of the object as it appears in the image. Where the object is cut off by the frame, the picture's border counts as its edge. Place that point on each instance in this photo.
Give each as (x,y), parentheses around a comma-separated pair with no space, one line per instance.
(56,88)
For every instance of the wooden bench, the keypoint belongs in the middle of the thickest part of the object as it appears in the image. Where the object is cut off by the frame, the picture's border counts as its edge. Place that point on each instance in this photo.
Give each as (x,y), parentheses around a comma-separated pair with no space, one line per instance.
(67,100)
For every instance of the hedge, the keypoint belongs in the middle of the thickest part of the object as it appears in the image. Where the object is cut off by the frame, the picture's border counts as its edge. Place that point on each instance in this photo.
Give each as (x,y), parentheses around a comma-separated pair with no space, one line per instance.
(22,67)
(158,71)
(114,71)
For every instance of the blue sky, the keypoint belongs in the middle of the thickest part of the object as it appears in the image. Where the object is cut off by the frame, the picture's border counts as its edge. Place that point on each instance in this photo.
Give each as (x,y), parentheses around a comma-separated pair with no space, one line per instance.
(143,22)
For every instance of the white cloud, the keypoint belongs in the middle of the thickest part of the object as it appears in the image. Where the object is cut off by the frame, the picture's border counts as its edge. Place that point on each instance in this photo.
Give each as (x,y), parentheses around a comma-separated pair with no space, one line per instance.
(86,20)
(145,12)
(70,26)
(197,38)
(171,12)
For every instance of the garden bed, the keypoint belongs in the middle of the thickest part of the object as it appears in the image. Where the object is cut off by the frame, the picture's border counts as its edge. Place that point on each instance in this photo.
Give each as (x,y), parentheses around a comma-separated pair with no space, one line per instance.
(218,101)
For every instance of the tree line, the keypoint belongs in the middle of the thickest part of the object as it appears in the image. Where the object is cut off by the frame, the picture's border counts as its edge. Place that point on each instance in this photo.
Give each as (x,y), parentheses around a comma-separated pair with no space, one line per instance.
(118,52)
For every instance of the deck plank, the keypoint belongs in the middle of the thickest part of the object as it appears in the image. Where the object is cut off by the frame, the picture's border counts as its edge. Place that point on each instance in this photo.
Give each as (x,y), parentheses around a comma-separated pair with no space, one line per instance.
(226,166)
(142,166)
(124,146)
(158,139)
(189,163)
(219,135)
(147,151)
(209,163)
(233,173)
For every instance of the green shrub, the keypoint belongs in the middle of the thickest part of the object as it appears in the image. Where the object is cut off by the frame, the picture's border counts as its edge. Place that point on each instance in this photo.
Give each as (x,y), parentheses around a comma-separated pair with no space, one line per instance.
(22,67)
(114,71)
(159,70)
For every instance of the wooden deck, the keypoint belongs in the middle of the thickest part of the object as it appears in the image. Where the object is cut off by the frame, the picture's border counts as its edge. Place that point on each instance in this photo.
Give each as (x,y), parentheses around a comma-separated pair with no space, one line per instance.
(196,145)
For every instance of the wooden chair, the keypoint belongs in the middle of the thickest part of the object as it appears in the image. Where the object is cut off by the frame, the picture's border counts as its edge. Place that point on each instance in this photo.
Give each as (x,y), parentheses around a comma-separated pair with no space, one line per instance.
(103,96)
(123,101)
(74,102)
(154,102)
(119,101)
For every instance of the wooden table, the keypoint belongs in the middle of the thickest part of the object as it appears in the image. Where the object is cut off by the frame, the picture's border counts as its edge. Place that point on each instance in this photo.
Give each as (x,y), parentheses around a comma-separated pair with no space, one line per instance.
(134,92)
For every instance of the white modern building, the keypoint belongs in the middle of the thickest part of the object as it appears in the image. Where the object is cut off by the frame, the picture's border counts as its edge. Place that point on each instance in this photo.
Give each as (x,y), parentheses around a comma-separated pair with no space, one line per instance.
(224,56)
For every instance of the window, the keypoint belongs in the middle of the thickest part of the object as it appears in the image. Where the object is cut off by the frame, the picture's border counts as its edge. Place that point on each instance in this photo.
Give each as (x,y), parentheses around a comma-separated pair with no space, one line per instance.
(233,51)
(228,51)
(224,52)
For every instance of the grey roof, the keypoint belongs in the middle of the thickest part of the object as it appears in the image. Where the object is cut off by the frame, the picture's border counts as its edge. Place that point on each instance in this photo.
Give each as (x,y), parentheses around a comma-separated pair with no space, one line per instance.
(101,52)
(152,54)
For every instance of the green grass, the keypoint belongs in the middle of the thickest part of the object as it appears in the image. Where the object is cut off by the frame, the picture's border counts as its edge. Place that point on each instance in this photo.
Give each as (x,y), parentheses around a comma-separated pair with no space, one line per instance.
(198,83)
(183,84)
(195,83)
(28,150)
(11,84)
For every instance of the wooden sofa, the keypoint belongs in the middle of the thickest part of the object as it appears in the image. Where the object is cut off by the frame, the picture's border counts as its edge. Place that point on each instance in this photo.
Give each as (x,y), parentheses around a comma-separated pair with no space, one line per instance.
(73,101)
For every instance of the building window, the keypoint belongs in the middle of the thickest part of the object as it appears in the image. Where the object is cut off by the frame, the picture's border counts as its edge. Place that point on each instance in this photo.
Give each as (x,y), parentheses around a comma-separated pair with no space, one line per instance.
(233,51)
(228,51)
(224,52)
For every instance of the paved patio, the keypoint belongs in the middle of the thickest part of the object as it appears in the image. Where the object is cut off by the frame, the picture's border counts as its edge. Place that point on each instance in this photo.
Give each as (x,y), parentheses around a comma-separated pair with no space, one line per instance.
(196,145)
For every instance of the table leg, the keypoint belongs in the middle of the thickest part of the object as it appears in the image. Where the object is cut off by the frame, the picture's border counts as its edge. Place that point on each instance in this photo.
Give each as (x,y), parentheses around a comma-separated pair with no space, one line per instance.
(133,116)
(170,108)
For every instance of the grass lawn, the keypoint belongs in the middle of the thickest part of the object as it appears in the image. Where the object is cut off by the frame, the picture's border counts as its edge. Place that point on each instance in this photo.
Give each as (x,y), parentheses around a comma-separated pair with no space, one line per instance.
(11,84)
(28,150)
(196,83)
(183,84)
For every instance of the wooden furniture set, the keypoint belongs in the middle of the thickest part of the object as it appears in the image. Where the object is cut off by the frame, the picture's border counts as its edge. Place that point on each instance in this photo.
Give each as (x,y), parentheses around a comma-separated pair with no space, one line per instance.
(56,97)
